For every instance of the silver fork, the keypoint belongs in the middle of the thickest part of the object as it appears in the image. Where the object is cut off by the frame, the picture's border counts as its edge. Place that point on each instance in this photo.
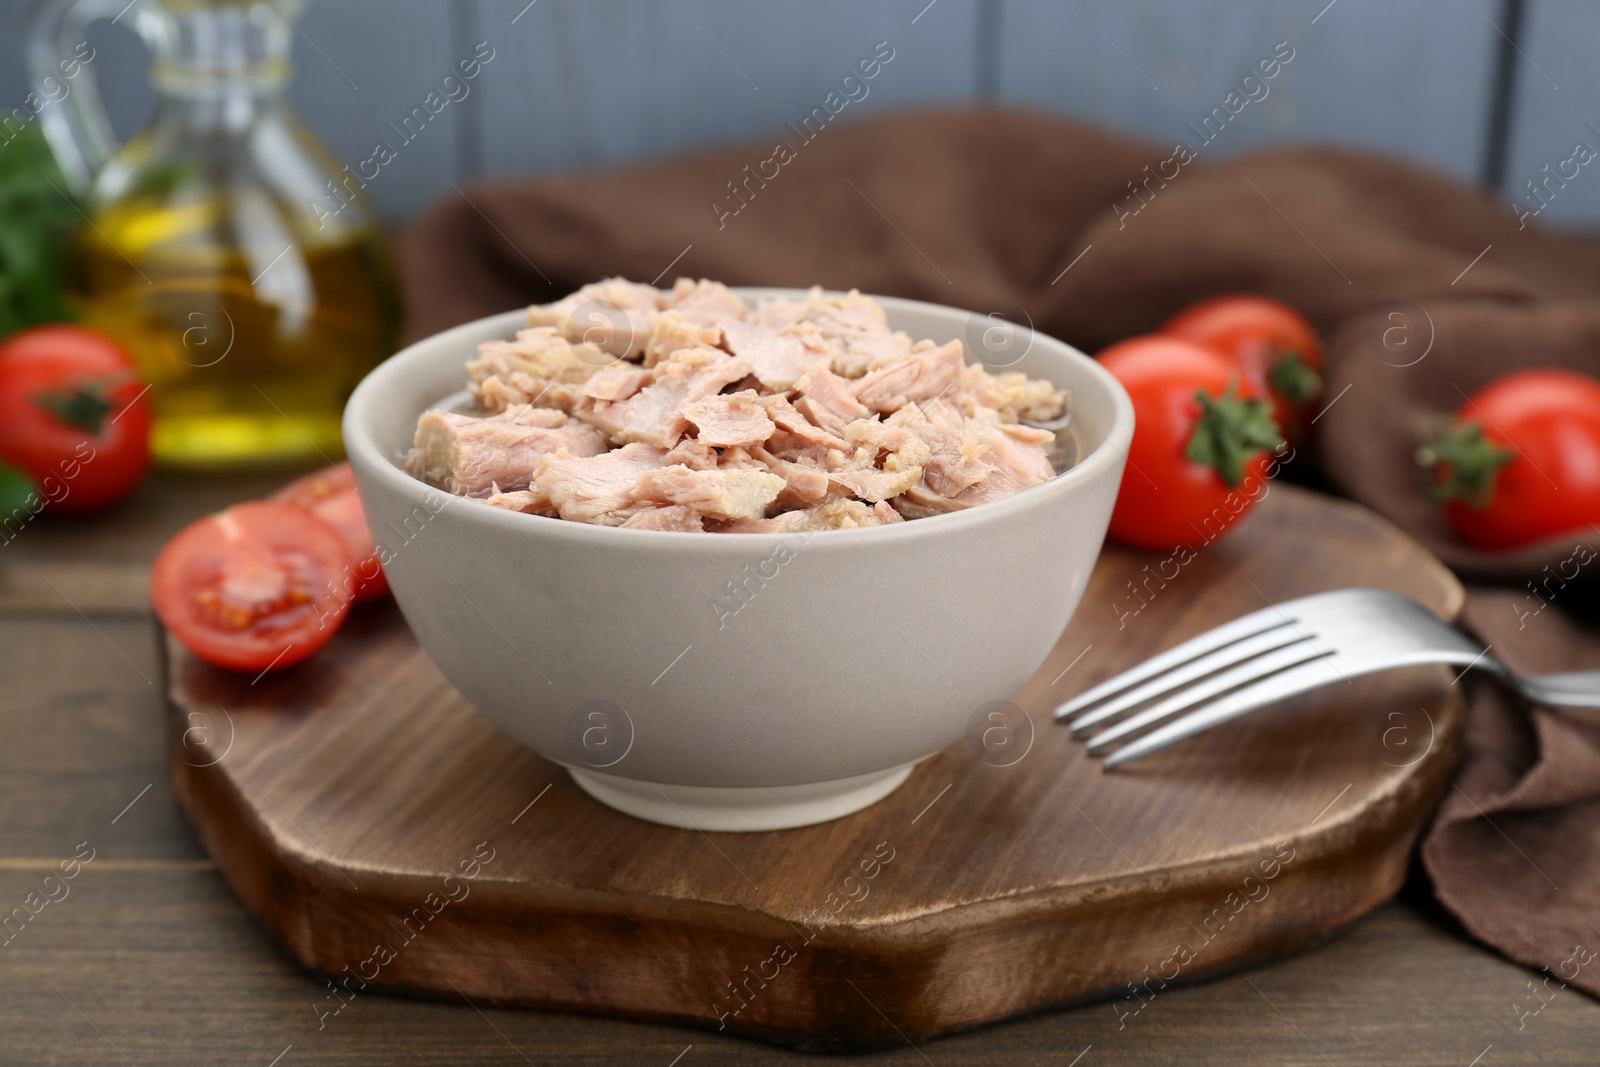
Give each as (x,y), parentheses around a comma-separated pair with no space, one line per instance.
(1278,652)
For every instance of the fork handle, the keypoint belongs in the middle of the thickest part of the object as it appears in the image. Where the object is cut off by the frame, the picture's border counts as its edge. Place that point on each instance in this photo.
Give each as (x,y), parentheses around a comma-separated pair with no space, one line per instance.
(1572,689)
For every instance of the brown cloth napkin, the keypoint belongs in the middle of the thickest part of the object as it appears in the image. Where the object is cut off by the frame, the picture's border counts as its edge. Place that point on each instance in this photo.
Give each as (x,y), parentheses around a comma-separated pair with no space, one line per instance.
(1423,290)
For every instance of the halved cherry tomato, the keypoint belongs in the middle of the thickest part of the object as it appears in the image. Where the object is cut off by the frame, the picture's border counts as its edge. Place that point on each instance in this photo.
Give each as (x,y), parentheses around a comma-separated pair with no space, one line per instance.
(74,415)
(252,587)
(1201,441)
(1271,343)
(1521,463)
(330,495)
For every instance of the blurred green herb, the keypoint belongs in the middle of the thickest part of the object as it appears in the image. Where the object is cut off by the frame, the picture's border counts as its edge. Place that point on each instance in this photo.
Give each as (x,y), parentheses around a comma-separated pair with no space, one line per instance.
(36,222)
(15,489)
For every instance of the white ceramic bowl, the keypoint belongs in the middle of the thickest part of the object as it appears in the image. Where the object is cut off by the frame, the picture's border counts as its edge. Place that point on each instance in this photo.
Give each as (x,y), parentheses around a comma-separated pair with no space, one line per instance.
(835,662)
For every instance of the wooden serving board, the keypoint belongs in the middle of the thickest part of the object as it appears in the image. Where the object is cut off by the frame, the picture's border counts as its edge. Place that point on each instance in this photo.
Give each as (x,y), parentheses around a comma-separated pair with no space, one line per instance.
(393,840)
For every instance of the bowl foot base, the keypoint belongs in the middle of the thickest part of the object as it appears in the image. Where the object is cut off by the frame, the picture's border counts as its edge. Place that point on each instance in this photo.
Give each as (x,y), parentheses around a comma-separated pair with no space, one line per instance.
(781,807)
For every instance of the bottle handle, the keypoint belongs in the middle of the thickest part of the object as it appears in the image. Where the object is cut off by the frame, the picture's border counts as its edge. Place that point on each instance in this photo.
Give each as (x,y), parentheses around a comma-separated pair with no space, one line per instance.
(66,96)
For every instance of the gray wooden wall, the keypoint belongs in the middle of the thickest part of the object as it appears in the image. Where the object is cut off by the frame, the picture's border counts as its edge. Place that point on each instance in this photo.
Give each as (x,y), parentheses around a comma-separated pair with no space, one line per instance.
(1490,90)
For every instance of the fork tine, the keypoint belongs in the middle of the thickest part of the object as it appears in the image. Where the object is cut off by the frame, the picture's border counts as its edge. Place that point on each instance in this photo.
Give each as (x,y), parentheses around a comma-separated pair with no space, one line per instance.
(1237,630)
(1246,673)
(1226,656)
(1311,675)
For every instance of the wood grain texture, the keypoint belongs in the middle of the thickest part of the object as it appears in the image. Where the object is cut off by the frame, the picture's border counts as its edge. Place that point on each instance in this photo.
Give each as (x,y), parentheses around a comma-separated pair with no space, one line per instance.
(171,969)
(173,972)
(1410,79)
(82,740)
(116,588)
(344,799)
(128,535)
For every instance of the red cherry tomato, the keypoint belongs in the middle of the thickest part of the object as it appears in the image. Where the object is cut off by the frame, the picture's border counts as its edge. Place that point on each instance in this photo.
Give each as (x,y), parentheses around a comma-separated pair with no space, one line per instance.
(330,495)
(1270,342)
(1522,461)
(74,416)
(252,587)
(1200,442)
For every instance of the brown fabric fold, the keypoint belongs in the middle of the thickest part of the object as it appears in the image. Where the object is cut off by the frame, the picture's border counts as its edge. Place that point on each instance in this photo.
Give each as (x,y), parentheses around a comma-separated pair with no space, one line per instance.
(1515,849)
(1423,289)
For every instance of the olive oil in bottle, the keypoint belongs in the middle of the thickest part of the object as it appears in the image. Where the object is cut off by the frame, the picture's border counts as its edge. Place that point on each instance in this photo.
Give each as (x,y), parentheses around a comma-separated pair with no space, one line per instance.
(251,348)
(224,246)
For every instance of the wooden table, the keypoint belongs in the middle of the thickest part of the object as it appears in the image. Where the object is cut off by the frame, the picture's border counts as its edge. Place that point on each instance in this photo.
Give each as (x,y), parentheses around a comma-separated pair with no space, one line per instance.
(148,959)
